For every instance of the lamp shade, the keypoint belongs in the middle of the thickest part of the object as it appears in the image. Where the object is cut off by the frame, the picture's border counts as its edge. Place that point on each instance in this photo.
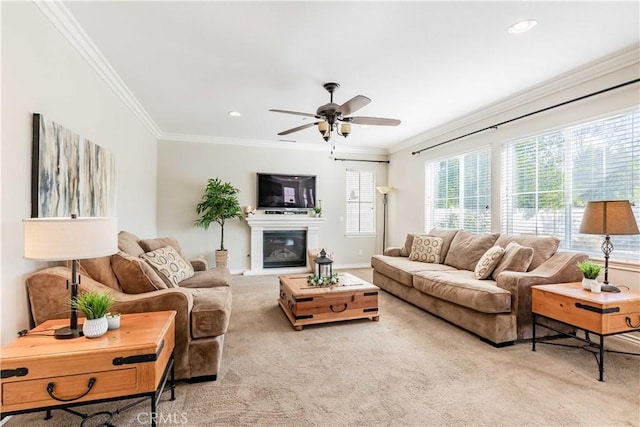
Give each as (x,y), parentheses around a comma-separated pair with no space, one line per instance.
(384,190)
(61,239)
(609,217)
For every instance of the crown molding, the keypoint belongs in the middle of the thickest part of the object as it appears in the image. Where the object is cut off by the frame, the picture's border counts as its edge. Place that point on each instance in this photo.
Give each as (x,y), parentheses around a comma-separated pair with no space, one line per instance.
(591,71)
(282,145)
(62,19)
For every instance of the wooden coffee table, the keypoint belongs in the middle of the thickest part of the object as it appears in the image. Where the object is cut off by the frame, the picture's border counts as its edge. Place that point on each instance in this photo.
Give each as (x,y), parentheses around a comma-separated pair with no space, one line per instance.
(352,298)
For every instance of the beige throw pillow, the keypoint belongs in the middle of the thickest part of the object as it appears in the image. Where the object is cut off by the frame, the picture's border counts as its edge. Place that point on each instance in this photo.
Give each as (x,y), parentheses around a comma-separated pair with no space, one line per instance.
(515,258)
(426,249)
(488,262)
(171,267)
(135,275)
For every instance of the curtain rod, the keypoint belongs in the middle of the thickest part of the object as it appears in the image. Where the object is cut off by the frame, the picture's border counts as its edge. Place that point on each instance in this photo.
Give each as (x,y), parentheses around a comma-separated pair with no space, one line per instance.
(580,98)
(358,160)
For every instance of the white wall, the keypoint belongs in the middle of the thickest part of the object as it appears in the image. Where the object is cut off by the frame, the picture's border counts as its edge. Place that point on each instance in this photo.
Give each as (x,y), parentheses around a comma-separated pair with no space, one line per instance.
(407,171)
(185,167)
(43,73)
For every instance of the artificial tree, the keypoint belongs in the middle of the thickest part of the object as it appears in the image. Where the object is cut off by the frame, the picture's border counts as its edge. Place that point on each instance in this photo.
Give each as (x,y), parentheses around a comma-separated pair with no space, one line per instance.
(219,203)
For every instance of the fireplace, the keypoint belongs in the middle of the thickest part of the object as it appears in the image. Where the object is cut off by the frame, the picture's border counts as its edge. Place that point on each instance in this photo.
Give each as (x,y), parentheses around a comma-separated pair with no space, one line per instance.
(284,248)
(263,223)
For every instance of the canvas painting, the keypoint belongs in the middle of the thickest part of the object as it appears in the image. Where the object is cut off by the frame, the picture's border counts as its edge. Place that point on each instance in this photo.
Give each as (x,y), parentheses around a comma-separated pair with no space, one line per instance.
(70,174)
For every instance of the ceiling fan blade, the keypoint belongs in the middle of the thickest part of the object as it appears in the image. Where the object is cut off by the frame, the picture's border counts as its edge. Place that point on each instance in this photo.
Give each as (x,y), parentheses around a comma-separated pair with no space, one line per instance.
(353,105)
(297,113)
(288,131)
(376,121)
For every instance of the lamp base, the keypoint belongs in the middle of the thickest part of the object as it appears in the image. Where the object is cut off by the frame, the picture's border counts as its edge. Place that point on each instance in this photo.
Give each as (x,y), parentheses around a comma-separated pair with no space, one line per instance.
(67,333)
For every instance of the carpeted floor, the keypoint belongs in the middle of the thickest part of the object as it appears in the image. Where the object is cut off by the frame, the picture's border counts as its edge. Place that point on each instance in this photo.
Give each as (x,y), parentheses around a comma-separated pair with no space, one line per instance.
(408,369)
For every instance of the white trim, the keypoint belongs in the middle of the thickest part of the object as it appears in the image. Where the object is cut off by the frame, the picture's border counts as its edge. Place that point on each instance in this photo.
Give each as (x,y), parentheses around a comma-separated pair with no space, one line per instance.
(610,64)
(64,21)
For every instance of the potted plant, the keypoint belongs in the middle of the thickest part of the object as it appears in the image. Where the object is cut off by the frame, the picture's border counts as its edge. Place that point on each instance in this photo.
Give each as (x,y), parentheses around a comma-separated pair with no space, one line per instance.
(218,204)
(94,306)
(318,209)
(590,271)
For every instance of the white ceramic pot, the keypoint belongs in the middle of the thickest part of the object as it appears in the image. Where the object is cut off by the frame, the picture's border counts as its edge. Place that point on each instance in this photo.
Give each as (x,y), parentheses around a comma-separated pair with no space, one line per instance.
(94,328)
(586,283)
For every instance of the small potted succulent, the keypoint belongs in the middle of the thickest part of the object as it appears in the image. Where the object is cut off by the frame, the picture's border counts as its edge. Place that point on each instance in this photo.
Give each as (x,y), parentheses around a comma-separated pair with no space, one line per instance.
(317,210)
(94,306)
(590,271)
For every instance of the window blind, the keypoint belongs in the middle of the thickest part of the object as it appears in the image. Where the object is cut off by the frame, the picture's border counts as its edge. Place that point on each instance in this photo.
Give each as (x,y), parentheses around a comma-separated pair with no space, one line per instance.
(548,179)
(458,192)
(360,201)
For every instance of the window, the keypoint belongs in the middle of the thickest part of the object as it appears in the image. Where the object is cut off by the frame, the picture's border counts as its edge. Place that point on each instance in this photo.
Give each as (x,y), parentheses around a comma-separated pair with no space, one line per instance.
(547,180)
(360,202)
(458,192)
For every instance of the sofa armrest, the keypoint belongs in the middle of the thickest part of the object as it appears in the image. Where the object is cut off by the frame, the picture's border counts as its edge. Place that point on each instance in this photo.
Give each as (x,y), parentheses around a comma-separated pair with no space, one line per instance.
(392,251)
(199,264)
(560,268)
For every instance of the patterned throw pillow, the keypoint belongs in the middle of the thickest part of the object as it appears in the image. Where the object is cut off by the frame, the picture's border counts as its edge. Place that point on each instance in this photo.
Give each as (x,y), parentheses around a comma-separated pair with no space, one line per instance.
(426,249)
(171,267)
(488,262)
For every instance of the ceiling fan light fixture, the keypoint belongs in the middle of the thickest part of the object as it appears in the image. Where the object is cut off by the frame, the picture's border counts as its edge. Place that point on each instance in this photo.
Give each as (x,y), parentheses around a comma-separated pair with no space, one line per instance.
(323,127)
(345,129)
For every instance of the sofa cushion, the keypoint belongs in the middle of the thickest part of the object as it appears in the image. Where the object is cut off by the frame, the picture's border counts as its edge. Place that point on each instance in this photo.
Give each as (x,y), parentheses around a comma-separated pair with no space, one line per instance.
(426,249)
(150,245)
(405,250)
(467,249)
(401,269)
(462,288)
(171,267)
(208,279)
(488,262)
(128,243)
(447,237)
(515,258)
(99,269)
(135,275)
(211,311)
(543,246)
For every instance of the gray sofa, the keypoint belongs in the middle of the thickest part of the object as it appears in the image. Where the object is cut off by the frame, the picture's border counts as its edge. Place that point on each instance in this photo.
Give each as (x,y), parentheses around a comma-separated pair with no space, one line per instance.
(498,309)
(202,302)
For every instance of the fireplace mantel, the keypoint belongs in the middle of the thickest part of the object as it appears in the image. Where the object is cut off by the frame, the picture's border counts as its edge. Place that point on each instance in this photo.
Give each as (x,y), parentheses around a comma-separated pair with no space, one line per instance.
(261,222)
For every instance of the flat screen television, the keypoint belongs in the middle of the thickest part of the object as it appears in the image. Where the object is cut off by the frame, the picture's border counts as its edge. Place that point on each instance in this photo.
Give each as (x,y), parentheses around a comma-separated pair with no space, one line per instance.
(281,192)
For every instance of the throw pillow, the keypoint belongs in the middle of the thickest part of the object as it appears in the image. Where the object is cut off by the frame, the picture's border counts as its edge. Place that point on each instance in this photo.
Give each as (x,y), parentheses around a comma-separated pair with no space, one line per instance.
(150,245)
(426,249)
(467,248)
(135,275)
(488,262)
(515,258)
(171,267)
(408,242)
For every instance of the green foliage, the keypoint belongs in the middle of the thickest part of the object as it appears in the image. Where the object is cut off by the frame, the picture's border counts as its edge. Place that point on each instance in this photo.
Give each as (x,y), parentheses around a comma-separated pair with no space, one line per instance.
(219,203)
(589,269)
(93,305)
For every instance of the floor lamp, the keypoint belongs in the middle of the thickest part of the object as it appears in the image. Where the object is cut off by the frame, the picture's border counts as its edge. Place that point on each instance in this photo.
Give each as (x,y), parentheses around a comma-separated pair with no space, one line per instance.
(608,217)
(385,194)
(70,239)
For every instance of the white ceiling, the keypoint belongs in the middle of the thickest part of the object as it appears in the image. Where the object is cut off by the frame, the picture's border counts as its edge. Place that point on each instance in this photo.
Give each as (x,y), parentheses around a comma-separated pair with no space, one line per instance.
(425,63)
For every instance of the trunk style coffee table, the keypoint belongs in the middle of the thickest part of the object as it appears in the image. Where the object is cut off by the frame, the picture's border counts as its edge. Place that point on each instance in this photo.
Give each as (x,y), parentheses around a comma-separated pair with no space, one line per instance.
(352,298)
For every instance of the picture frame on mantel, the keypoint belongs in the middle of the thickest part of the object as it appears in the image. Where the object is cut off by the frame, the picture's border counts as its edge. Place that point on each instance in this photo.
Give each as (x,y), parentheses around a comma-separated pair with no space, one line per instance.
(69,173)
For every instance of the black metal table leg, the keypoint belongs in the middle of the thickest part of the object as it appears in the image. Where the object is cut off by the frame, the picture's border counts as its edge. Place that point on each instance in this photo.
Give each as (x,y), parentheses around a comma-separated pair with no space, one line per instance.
(601,361)
(533,333)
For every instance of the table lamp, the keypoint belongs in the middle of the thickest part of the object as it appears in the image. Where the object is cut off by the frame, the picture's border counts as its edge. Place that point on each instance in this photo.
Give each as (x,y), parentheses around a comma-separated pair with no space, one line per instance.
(64,239)
(608,217)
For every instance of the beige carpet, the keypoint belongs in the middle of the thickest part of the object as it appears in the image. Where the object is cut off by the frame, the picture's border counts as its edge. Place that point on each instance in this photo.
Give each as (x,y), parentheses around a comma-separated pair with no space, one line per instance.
(408,369)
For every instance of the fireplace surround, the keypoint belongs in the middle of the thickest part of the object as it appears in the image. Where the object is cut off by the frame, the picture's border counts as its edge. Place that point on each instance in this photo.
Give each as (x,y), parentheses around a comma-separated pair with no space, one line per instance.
(261,223)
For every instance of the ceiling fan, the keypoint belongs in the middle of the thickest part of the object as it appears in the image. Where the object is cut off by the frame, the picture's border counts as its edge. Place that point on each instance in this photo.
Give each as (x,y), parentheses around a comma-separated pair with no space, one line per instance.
(336,117)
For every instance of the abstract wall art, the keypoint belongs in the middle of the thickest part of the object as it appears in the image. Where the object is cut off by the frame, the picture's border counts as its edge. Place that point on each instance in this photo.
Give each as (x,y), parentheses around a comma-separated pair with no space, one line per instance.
(70,174)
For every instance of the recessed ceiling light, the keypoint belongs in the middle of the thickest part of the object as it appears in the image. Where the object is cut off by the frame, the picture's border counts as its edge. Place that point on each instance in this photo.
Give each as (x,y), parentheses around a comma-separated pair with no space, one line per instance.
(522,26)
(235,113)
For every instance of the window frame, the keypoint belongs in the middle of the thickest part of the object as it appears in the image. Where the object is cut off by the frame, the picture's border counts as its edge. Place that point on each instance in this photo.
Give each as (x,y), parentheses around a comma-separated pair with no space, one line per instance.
(349,232)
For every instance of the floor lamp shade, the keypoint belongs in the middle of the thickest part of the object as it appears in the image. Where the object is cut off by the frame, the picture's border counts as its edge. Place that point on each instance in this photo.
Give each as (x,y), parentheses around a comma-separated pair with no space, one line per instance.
(62,239)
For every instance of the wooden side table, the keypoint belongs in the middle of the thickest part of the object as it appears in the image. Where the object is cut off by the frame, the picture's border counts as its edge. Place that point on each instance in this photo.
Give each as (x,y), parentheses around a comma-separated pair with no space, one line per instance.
(602,314)
(40,372)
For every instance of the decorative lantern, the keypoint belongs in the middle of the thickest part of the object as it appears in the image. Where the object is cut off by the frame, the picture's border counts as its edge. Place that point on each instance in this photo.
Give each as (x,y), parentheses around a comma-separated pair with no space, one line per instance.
(324,265)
